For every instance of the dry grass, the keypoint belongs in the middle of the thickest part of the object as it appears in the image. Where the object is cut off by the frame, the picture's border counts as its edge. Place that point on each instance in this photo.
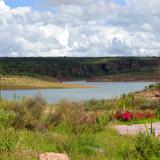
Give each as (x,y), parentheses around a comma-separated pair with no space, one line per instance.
(149,94)
(25,82)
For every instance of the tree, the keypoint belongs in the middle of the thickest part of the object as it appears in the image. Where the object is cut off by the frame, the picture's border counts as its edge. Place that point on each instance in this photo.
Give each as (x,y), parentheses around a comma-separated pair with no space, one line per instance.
(158,78)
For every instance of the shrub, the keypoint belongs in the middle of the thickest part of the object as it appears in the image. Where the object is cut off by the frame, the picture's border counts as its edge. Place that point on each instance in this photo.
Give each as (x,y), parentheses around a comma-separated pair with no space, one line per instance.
(94,105)
(73,144)
(147,147)
(157,112)
(144,104)
(6,119)
(126,101)
(64,143)
(8,140)
(103,119)
(29,113)
(127,116)
(72,114)
(77,118)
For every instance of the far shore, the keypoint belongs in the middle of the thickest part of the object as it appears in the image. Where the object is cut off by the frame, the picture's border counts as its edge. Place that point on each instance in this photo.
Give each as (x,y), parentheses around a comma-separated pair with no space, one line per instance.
(26,82)
(124,77)
(12,82)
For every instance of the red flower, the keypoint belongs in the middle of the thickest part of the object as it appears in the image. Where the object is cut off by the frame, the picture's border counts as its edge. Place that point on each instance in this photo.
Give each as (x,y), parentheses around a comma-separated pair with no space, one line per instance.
(126,116)
(117,115)
(149,115)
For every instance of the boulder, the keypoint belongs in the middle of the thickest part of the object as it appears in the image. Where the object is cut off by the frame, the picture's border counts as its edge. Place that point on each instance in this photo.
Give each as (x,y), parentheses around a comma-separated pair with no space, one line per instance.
(53,156)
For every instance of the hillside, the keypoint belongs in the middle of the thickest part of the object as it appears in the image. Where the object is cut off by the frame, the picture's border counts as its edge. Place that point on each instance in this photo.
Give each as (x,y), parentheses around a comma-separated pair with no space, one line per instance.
(26,82)
(69,68)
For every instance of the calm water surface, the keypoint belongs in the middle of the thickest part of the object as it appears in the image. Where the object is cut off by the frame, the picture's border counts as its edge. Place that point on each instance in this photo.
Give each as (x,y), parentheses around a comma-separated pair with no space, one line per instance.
(102,90)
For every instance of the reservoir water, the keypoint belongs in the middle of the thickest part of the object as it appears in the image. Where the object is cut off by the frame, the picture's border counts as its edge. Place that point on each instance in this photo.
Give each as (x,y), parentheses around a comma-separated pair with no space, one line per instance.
(101,90)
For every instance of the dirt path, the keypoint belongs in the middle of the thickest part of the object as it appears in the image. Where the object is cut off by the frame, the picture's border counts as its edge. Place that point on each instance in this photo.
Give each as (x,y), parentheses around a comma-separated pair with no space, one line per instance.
(137,128)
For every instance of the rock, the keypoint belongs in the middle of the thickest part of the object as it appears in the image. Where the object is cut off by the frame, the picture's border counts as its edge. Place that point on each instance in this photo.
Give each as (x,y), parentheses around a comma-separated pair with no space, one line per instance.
(137,128)
(53,156)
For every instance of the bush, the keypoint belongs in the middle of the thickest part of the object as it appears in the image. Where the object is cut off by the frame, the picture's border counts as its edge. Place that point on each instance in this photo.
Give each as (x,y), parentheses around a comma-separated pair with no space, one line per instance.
(147,147)
(126,101)
(6,119)
(103,119)
(8,140)
(73,144)
(94,105)
(77,118)
(147,104)
(128,116)
(157,112)
(29,113)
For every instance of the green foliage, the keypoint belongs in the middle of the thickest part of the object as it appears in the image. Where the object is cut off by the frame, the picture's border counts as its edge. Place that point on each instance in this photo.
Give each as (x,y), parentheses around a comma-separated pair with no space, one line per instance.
(8,140)
(69,67)
(103,120)
(157,112)
(76,145)
(153,86)
(6,119)
(80,129)
(93,105)
(37,141)
(126,101)
(147,147)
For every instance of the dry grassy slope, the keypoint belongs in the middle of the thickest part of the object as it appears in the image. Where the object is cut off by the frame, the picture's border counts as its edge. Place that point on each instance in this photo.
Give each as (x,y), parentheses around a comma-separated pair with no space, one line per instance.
(25,82)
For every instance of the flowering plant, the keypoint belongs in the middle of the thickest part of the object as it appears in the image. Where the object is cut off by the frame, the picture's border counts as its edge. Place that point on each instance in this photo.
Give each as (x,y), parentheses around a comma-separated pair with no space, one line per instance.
(127,116)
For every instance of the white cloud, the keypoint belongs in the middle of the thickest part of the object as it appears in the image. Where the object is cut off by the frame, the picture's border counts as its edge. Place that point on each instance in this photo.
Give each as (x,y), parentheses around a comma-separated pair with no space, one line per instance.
(81,28)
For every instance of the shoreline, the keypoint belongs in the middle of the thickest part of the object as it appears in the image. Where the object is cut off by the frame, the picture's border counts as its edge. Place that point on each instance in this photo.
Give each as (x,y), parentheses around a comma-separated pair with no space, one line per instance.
(26,82)
(12,82)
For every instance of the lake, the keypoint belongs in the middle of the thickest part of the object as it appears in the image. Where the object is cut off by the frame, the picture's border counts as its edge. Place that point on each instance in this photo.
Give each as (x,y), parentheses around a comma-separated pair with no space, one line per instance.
(102,90)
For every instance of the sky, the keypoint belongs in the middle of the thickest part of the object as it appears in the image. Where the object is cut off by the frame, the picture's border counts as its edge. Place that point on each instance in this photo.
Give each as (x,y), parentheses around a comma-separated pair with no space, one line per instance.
(79,28)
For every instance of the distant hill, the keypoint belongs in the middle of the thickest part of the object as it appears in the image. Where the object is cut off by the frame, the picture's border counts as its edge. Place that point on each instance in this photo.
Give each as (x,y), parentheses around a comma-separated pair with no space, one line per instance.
(67,68)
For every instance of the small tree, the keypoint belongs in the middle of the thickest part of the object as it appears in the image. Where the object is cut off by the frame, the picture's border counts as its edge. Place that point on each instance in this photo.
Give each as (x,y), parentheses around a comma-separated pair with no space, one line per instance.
(0,86)
(158,76)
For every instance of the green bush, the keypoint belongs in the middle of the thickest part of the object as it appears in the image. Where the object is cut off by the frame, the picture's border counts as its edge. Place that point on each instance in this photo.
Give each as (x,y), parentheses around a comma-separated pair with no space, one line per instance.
(157,112)
(126,101)
(147,147)
(102,120)
(95,105)
(8,140)
(77,144)
(6,119)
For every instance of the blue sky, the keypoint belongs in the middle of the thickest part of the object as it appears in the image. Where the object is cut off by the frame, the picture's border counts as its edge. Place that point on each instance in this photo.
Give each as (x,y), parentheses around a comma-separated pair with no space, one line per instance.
(18,3)
(36,3)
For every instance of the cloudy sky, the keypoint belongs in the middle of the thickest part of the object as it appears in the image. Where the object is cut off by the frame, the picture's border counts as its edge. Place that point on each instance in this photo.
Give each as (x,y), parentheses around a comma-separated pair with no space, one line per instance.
(79,27)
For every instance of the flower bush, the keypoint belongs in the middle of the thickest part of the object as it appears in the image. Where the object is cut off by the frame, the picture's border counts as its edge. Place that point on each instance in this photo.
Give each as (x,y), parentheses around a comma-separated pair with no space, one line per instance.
(127,116)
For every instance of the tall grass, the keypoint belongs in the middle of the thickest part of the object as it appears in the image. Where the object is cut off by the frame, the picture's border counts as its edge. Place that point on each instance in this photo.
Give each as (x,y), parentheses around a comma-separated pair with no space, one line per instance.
(83,130)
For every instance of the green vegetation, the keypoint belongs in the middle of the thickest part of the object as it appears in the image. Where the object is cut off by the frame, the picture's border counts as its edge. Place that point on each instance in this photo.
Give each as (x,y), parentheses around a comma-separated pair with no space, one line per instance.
(66,68)
(125,77)
(153,86)
(83,130)
(147,147)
